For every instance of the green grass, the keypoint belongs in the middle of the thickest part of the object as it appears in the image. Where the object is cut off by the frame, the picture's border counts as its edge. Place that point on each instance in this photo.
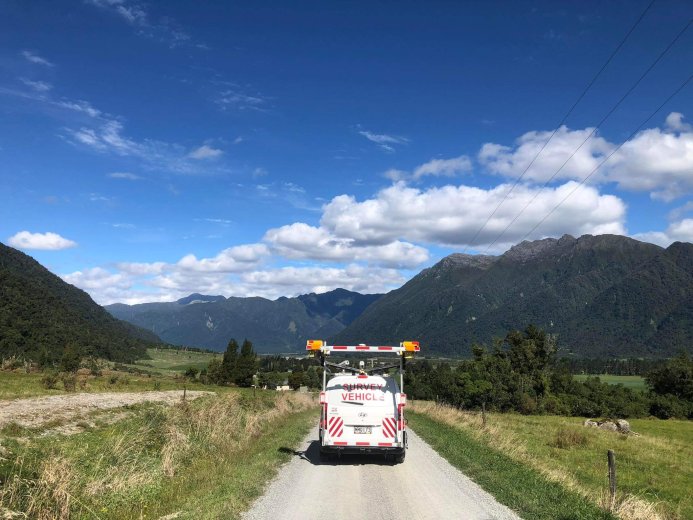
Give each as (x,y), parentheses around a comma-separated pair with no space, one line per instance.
(514,484)
(170,361)
(22,385)
(209,458)
(632,382)
(654,467)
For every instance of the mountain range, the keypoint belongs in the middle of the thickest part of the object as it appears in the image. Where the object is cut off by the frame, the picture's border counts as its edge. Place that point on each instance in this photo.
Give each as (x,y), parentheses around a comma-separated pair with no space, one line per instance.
(40,315)
(603,295)
(281,325)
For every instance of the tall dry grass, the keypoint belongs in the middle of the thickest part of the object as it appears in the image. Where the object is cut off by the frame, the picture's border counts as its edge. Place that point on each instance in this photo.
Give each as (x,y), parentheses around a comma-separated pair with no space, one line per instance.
(498,435)
(127,462)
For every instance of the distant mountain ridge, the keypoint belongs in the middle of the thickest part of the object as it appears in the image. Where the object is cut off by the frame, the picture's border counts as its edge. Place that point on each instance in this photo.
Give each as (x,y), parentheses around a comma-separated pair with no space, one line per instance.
(281,325)
(603,295)
(40,314)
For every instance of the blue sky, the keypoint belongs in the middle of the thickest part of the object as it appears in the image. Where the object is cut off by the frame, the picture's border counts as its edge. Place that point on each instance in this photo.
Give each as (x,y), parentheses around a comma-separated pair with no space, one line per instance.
(150,149)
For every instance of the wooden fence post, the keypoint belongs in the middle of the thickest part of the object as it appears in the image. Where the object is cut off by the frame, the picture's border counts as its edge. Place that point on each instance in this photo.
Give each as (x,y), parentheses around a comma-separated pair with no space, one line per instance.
(483,413)
(185,389)
(611,458)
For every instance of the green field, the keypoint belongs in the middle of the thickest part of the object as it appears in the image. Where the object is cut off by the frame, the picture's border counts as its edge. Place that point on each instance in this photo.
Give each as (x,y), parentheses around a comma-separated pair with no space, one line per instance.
(632,382)
(655,469)
(170,361)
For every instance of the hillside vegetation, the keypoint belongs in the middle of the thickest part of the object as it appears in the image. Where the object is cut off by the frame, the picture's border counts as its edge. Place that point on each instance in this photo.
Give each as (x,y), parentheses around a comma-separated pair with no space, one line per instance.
(41,315)
(604,296)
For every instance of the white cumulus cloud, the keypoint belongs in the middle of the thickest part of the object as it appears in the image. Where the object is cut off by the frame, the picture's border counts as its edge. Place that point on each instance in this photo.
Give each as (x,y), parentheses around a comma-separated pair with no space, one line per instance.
(451,215)
(302,241)
(49,241)
(681,231)
(444,167)
(658,161)
(233,259)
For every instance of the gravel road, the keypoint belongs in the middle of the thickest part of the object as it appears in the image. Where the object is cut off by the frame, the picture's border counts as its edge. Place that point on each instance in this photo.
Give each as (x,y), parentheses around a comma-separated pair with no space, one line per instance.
(37,411)
(424,486)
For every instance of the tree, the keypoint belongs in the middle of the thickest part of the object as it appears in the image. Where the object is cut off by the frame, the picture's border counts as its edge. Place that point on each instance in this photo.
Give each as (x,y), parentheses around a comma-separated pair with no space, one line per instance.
(215,372)
(296,379)
(71,358)
(229,363)
(246,365)
(675,378)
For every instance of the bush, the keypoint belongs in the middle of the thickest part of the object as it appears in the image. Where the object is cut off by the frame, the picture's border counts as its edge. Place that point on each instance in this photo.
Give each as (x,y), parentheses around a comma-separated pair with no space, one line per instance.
(49,381)
(567,438)
(69,382)
(191,373)
(553,405)
(527,405)
(669,407)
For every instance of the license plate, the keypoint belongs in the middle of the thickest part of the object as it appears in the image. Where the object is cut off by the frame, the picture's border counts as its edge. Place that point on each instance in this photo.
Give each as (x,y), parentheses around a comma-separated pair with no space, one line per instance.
(363,429)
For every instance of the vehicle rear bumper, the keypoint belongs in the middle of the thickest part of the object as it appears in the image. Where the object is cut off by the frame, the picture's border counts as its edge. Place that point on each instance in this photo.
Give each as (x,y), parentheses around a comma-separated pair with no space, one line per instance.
(353,449)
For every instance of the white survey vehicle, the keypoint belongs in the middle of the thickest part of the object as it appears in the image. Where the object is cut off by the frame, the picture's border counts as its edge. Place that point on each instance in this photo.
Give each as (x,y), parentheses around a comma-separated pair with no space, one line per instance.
(362,409)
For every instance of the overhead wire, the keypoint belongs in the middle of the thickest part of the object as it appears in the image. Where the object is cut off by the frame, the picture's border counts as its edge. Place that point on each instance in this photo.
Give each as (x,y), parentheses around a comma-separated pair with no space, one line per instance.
(563,120)
(594,130)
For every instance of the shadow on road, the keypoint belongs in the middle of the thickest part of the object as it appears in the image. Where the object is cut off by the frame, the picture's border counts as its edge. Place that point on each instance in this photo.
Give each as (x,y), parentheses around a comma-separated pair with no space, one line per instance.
(312,455)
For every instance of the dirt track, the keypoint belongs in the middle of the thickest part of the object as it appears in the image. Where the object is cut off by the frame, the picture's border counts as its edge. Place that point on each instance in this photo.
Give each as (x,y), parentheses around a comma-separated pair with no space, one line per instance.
(424,486)
(70,408)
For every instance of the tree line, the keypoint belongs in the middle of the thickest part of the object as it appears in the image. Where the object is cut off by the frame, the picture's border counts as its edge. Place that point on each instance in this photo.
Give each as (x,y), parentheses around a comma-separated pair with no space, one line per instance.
(520,373)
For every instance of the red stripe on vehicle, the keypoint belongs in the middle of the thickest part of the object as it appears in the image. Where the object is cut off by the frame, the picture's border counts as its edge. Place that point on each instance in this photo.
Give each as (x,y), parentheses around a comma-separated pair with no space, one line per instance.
(384,444)
(363,443)
(388,427)
(339,443)
(336,425)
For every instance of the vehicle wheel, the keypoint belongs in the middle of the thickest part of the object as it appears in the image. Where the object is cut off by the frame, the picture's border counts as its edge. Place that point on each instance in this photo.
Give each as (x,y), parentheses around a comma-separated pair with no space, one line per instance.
(399,458)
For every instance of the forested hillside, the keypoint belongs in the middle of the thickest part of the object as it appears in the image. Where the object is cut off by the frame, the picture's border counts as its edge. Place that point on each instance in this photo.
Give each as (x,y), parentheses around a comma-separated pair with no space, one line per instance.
(40,315)
(602,295)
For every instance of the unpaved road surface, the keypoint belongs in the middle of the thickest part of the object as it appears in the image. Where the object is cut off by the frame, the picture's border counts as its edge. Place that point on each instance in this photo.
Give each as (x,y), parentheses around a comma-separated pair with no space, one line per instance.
(364,486)
(38,411)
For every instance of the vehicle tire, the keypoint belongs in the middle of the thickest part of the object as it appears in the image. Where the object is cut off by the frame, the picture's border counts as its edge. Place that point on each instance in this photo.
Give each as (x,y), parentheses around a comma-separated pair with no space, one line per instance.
(399,458)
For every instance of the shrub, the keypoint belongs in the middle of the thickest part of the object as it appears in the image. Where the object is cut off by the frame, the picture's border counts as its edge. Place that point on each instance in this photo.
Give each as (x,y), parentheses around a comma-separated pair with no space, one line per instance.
(191,373)
(157,385)
(69,382)
(567,438)
(49,381)
(527,405)
(668,407)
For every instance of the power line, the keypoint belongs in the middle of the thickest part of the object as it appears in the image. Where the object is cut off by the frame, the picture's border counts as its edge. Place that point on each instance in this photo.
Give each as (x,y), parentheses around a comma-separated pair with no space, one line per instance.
(582,182)
(594,130)
(563,120)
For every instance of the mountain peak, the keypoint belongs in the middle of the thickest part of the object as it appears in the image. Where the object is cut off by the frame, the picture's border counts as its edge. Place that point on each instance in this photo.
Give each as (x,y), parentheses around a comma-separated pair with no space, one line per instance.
(528,250)
(457,260)
(199,298)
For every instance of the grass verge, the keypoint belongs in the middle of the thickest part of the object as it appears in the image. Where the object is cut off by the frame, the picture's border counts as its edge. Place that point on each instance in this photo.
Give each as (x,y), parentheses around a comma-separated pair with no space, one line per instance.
(514,484)
(654,468)
(203,459)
